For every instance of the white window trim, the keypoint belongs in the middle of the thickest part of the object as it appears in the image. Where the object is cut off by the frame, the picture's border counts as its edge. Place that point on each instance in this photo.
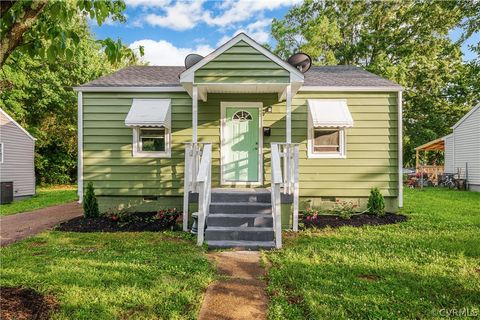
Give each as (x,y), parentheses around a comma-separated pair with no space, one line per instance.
(326,155)
(136,152)
(1,150)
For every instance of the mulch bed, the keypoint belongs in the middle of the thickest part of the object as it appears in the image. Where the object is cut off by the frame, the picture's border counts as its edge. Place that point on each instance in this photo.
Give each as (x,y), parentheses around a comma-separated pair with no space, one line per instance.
(139,221)
(25,303)
(323,221)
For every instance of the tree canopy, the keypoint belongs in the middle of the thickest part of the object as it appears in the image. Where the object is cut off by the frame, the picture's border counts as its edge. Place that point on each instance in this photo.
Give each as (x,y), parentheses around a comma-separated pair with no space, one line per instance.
(40,28)
(405,41)
(38,94)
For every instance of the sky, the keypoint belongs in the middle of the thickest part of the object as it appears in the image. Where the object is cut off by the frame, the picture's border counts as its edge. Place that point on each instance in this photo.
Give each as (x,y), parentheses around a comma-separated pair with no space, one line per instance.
(169,30)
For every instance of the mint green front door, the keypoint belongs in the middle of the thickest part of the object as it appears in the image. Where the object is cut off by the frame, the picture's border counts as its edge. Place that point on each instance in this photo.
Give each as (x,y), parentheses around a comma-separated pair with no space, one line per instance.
(241,144)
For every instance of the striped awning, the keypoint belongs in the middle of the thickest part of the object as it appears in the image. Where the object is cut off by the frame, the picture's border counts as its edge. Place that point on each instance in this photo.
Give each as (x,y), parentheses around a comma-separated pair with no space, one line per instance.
(149,113)
(330,113)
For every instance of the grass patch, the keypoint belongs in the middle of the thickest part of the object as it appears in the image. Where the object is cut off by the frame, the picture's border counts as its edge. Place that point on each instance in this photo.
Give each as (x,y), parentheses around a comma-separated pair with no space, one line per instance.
(45,197)
(112,275)
(411,270)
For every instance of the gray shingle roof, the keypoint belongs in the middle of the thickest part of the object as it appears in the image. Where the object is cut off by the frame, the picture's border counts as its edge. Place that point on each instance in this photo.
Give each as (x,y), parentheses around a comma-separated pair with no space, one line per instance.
(344,76)
(162,76)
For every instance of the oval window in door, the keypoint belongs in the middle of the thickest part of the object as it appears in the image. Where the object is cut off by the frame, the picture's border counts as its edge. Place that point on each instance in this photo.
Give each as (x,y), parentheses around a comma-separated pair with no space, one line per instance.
(242,115)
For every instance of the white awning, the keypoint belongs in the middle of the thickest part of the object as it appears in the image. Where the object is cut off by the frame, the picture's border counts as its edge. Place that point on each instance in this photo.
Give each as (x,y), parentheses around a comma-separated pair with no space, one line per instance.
(149,113)
(330,113)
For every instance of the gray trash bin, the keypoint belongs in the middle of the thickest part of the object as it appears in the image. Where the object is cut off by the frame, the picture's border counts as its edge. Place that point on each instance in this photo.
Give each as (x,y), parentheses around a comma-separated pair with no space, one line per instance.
(6,192)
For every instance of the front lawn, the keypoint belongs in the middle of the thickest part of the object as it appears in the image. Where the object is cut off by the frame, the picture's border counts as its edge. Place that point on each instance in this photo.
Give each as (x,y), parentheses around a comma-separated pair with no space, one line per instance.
(45,197)
(112,275)
(428,267)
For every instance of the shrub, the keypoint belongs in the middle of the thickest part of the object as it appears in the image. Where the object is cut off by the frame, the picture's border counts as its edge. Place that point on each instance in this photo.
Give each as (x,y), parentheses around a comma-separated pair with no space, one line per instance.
(344,209)
(90,204)
(309,214)
(168,217)
(116,214)
(376,203)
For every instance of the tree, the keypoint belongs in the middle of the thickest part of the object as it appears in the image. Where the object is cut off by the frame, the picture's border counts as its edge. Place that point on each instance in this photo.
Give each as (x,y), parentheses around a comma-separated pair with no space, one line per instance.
(90,203)
(405,41)
(38,94)
(24,30)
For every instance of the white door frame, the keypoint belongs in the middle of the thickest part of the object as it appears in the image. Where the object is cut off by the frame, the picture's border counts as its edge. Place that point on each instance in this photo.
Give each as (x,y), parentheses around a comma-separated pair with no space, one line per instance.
(223,109)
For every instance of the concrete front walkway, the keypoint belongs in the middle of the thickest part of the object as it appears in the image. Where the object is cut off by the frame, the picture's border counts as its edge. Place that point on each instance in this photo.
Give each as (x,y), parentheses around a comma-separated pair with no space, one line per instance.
(240,293)
(22,225)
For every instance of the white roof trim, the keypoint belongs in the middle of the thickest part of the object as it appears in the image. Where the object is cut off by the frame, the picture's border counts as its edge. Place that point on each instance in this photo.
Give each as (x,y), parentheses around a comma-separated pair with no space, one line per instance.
(330,113)
(448,136)
(149,113)
(348,89)
(130,89)
(16,123)
(188,75)
(469,113)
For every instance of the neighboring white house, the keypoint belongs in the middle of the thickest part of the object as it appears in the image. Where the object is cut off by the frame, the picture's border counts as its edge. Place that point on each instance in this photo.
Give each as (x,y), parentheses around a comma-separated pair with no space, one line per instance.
(462,148)
(17,148)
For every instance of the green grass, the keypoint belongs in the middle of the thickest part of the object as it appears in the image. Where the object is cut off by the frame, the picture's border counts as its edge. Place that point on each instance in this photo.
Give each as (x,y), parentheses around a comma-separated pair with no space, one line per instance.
(418,269)
(45,197)
(112,275)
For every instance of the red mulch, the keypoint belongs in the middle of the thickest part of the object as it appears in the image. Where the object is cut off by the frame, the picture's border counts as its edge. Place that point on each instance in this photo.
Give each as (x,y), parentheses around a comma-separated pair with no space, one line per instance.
(323,221)
(25,303)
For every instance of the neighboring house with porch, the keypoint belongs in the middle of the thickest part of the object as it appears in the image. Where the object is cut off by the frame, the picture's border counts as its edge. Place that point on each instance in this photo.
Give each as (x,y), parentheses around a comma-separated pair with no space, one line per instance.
(243,133)
(461,151)
(462,148)
(17,161)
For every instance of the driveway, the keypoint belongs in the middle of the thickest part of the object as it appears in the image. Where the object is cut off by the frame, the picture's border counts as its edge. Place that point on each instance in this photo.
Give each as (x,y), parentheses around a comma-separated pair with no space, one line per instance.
(22,225)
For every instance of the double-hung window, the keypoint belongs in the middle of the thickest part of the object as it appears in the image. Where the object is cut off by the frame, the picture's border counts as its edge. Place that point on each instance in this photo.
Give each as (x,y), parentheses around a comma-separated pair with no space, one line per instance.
(150,121)
(327,123)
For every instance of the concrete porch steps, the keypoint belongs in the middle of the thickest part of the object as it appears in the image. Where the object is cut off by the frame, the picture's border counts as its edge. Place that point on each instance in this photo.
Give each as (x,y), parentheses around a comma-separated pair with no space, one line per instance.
(240,218)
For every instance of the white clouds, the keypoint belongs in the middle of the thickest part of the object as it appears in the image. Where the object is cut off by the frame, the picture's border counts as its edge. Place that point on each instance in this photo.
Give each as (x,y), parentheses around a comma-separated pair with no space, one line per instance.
(163,53)
(179,16)
(185,15)
(147,3)
(258,31)
(241,10)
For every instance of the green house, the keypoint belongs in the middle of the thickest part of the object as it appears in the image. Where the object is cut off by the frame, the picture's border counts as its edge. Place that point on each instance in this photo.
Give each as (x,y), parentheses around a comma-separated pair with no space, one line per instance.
(241,137)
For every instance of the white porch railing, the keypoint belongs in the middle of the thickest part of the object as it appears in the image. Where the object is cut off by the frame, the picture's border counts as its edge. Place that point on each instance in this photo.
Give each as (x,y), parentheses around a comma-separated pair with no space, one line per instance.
(284,180)
(204,185)
(192,163)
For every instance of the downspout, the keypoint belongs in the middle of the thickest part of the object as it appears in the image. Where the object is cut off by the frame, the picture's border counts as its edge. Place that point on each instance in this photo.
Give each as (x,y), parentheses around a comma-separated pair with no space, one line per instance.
(289,113)
(194,114)
(80,148)
(400,150)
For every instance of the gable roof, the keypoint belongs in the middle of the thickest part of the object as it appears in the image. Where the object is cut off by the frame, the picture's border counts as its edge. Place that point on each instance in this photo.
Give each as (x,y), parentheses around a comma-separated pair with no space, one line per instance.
(16,124)
(168,76)
(469,113)
(295,74)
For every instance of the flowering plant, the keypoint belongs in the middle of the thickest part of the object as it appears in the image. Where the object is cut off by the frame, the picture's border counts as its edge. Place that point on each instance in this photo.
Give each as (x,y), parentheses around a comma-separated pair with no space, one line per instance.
(168,217)
(310,214)
(116,214)
(344,209)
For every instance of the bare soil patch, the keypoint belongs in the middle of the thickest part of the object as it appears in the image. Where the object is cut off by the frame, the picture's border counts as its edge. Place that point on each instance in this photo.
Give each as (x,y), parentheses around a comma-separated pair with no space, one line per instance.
(25,303)
(369,277)
(323,221)
(137,222)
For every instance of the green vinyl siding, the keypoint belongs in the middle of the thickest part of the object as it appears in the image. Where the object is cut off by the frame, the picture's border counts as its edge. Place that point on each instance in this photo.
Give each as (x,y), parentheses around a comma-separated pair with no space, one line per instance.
(372,144)
(371,151)
(107,147)
(241,64)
